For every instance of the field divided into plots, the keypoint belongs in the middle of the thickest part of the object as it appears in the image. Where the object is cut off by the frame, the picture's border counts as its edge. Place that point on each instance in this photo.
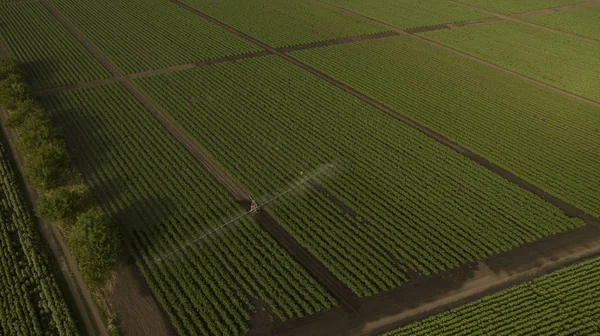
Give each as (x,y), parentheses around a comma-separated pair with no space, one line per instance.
(550,140)
(31,302)
(51,56)
(282,23)
(562,61)
(406,14)
(141,35)
(519,6)
(421,206)
(564,302)
(155,189)
(582,21)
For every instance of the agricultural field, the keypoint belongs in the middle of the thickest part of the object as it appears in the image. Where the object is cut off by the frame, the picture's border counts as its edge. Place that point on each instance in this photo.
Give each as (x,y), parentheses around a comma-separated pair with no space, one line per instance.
(51,56)
(282,23)
(141,35)
(564,302)
(311,167)
(406,14)
(31,302)
(163,198)
(581,21)
(283,126)
(562,61)
(519,6)
(517,124)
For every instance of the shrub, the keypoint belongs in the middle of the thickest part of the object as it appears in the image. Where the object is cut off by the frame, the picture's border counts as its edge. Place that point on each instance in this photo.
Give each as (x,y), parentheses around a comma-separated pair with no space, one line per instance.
(62,204)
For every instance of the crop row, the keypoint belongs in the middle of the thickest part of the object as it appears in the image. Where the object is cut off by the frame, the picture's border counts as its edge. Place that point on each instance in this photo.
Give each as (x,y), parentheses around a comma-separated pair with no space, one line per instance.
(565,302)
(139,35)
(422,207)
(162,196)
(548,139)
(514,7)
(31,302)
(51,57)
(282,23)
(562,61)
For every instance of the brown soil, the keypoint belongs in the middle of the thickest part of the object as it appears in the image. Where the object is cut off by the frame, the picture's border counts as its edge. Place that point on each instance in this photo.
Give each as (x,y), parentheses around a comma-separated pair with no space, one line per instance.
(133,304)
(344,40)
(93,323)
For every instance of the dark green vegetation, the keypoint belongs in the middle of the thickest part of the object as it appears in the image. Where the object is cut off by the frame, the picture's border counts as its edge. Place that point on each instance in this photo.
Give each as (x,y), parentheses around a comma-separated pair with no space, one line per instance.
(50,55)
(48,168)
(564,302)
(562,61)
(31,302)
(289,122)
(139,35)
(582,21)
(546,138)
(157,191)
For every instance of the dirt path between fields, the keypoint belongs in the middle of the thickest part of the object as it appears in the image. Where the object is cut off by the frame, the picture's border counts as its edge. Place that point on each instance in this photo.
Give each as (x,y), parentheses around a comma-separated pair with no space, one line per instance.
(423,296)
(58,247)
(516,19)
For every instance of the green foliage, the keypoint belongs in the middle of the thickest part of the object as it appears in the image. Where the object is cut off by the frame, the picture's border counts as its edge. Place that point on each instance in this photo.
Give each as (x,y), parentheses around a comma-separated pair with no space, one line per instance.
(546,138)
(37,307)
(50,54)
(12,91)
(282,23)
(95,242)
(47,166)
(139,35)
(24,110)
(9,66)
(564,302)
(583,21)
(564,62)
(165,198)
(61,205)
(406,14)
(415,199)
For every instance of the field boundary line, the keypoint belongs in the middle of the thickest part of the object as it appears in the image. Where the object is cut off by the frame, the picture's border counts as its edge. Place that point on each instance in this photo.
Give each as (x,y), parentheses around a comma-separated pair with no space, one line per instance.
(516,18)
(556,9)
(56,244)
(311,264)
(567,208)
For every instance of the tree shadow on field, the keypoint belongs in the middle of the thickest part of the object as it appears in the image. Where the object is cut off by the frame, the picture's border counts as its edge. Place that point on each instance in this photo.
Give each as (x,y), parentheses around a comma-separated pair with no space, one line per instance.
(39,73)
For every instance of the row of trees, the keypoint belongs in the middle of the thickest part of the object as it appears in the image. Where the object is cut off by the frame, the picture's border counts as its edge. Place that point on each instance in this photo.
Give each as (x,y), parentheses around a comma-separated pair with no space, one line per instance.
(65,201)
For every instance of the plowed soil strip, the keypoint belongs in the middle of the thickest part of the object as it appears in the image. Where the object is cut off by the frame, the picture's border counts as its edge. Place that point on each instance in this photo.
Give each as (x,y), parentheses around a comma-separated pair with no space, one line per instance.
(343,40)
(516,19)
(312,265)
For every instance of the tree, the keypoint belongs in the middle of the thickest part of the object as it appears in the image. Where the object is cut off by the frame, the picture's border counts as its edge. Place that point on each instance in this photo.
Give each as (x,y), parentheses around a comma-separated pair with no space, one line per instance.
(28,108)
(47,165)
(9,66)
(95,243)
(61,205)
(12,91)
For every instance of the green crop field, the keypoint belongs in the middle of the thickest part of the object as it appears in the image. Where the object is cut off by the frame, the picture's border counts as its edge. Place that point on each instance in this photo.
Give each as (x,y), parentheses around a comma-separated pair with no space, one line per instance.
(283,125)
(519,6)
(530,130)
(582,21)
(562,61)
(31,302)
(51,56)
(310,167)
(281,23)
(564,302)
(140,35)
(406,14)
(156,190)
